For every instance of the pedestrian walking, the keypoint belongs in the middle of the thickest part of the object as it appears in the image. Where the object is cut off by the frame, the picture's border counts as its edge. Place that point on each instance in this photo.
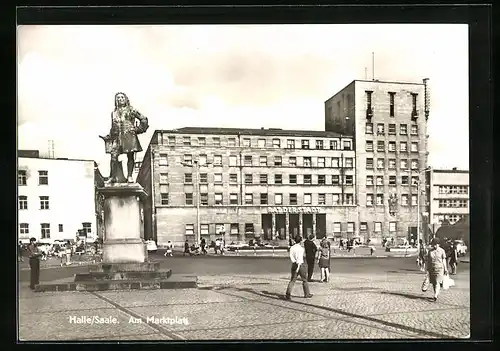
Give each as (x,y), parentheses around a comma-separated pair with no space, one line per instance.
(453,259)
(67,251)
(436,266)
(34,255)
(310,249)
(186,249)
(422,253)
(169,248)
(20,252)
(203,245)
(217,246)
(298,269)
(324,260)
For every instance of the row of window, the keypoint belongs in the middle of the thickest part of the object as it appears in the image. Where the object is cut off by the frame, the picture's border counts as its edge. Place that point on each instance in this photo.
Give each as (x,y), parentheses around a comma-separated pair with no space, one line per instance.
(379,180)
(392,95)
(24,229)
(452,218)
(306,179)
(22,177)
(23,202)
(261,143)
(403,129)
(334,162)
(379,200)
(403,146)
(453,189)
(263,199)
(453,203)
(403,164)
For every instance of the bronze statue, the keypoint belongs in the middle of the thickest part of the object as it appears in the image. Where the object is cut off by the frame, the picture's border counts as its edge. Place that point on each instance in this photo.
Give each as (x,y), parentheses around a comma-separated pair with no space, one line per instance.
(122,138)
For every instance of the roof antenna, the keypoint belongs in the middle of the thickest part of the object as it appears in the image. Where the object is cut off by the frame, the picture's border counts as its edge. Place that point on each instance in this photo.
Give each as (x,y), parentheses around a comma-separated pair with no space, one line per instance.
(366,73)
(373,66)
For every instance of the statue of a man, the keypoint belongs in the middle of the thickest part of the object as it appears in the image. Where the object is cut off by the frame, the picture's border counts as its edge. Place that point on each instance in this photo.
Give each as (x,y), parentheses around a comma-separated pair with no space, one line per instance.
(122,138)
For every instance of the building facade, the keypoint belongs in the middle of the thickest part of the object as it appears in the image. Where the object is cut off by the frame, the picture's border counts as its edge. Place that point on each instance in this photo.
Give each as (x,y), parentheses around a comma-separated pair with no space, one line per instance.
(248,183)
(389,123)
(57,197)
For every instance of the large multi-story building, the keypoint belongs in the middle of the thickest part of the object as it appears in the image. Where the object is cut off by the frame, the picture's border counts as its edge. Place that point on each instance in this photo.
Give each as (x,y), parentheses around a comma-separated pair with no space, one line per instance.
(248,183)
(389,123)
(57,197)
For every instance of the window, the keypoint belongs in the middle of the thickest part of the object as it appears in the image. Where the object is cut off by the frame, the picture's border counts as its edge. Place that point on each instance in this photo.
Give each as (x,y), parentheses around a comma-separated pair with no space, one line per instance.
(44,202)
(188,178)
(249,228)
(380,163)
(234,228)
(248,178)
(392,180)
(380,180)
(263,198)
(246,142)
(321,179)
(278,161)
(278,179)
(189,198)
(218,198)
(24,228)
(189,229)
(380,129)
(335,162)
(404,200)
(414,102)
(43,177)
(319,144)
(403,146)
(248,199)
(321,162)
(276,143)
(202,141)
(293,199)
(348,179)
(307,179)
(163,160)
(290,144)
(350,227)
(392,227)
(363,227)
(188,159)
(233,161)
(391,104)
(369,199)
(414,129)
(392,129)
(233,199)
(368,99)
(307,162)
(21,177)
(414,147)
(369,163)
(336,227)
(414,164)
(369,128)
(380,146)
(414,200)
(278,199)
(392,163)
(263,160)
(204,229)
(414,180)
(333,145)
(248,160)
(263,179)
(305,144)
(347,145)
(203,199)
(87,227)
(220,228)
(216,141)
(377,227)
(292,178)
(321,199)
(261,143)
(171,140)
(45,229)
(203,178)
(218,178)
(202,160)
(23,202)
(349,199)
(335,179)
(404,164)
(403,130)
(292,161)
(369,180)
(392,146)
(336,199)
(231,142)
(217,160)
(369,145)
(164,198)
(233,178)
(307,199)
(380,199)
(404,180)
(163,178)
(348,162)
(186,141)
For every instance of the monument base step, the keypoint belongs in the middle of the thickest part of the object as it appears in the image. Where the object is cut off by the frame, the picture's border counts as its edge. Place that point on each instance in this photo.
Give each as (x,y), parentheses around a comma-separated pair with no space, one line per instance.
(151,266)
(126,275)
(174,282)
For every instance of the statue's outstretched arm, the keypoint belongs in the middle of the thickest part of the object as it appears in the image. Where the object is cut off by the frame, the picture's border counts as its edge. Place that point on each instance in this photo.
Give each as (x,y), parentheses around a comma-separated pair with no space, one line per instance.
(143,122)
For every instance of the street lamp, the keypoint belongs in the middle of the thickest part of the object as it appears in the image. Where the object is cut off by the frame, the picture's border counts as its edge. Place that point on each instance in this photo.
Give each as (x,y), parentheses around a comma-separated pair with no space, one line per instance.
(417,183)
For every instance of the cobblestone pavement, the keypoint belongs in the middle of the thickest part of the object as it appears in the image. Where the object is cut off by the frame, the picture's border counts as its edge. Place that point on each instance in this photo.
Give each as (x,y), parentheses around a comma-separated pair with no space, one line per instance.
(239,306)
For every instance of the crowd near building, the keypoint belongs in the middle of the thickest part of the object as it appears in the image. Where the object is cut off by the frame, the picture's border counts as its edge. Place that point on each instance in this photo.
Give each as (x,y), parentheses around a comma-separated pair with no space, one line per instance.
(57,197)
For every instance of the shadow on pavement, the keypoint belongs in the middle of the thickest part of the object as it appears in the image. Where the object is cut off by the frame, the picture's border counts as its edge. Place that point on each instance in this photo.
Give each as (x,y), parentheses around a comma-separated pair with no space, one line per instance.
(409,296)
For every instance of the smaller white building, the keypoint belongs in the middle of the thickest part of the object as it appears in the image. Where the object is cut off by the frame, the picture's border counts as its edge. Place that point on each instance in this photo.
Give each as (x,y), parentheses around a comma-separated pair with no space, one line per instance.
(57,197)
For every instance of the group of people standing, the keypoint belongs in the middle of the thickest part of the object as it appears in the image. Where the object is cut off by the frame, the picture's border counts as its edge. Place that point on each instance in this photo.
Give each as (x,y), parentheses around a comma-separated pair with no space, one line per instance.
(218,245)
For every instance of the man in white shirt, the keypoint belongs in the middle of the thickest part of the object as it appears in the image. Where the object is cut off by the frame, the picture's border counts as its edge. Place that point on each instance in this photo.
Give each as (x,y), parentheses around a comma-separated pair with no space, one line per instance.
(298,268)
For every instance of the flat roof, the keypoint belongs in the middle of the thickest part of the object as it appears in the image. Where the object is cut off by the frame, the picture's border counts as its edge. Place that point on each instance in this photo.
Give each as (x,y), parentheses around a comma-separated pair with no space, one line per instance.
(258,132)
(450,171)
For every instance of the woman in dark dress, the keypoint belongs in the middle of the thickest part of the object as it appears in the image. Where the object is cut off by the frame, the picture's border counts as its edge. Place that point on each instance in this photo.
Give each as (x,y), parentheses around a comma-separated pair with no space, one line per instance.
(324,260)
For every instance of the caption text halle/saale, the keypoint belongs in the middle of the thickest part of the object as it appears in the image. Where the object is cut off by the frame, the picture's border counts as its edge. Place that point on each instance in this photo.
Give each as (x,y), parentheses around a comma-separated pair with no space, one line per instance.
(113,320)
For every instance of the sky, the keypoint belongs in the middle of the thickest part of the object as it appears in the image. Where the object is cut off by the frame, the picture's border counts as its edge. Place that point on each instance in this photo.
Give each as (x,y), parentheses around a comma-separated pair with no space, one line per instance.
(248,76)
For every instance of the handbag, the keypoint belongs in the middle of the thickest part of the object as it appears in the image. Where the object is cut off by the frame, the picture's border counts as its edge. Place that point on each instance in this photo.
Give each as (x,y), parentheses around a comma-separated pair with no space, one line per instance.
(447,282)
(425,283)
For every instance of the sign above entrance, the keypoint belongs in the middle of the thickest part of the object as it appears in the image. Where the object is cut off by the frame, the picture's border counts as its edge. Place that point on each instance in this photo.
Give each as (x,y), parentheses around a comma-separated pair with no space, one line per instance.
(294,209)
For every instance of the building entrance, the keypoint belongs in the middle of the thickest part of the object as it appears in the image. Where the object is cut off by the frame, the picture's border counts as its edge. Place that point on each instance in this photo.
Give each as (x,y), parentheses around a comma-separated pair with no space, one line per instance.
(293,225)
(267,226)
(320,226)
(281,226)
(307,225)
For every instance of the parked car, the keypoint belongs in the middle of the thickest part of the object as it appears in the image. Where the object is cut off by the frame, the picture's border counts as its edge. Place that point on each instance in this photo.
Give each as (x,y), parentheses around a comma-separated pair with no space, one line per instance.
(461,247)
(151,246)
